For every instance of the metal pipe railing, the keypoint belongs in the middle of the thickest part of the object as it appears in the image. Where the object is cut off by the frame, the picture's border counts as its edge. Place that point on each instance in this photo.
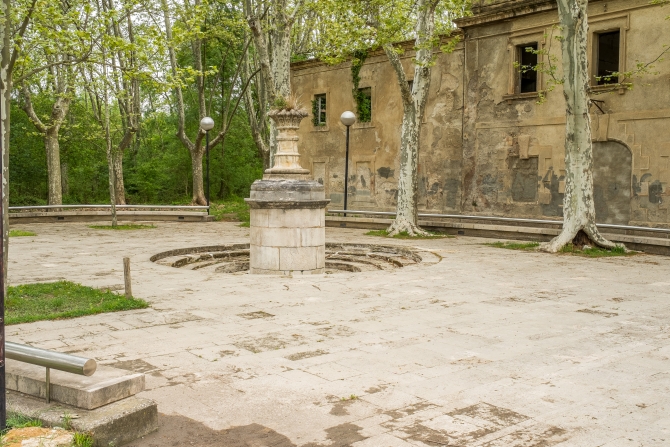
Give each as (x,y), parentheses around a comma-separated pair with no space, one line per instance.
(502,219)
(50,207)
(50,359)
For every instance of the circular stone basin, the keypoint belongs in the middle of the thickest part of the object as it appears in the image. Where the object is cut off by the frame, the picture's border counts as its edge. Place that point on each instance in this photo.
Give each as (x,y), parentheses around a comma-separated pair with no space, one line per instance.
(339,258)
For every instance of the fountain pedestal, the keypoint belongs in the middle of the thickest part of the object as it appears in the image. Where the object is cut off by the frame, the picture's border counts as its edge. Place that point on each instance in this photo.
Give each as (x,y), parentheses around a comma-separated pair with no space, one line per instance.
(288,219)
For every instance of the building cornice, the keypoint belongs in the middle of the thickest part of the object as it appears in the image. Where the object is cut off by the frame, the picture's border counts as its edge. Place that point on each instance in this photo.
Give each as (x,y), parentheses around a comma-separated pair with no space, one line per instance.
(505,11)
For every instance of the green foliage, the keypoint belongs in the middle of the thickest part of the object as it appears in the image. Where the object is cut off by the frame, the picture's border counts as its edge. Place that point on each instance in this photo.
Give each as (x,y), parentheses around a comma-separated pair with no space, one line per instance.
(157,169)
(67,421)
(233,208)
(406,235)
(591,252)
(21,233)
(369,24)
(319,111)
(290,102)
(315,113)
(280,103)
(63,299)
(361,98)
(596,252)
(526,246)
(122,227)
(17,420)
(82,440)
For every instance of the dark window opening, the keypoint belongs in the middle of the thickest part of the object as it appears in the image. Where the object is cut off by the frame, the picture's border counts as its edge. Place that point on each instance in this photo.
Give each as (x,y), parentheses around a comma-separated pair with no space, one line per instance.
(364,104)
(528,60)
(609,45)
(410,84)
(320,114)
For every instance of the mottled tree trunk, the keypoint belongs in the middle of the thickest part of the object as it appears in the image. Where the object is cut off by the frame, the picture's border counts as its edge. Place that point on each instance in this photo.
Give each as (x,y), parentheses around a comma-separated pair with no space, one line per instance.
(5,89)
(414,105)
(198,176)
(578,206)
(281,74)
(281,60)
(406,208)
(257,122)
(52,148)
(65,178)
(273,47)
(119,188)
(194,147)
(110,182)
(50,133)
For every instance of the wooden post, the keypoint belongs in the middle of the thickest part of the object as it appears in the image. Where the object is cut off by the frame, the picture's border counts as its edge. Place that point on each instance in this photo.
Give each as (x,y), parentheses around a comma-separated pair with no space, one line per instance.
(126,277)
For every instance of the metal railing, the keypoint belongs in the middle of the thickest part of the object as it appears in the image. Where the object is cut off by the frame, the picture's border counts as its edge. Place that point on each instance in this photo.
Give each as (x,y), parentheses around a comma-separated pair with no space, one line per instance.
(131,207)
(50,359)
(501,219)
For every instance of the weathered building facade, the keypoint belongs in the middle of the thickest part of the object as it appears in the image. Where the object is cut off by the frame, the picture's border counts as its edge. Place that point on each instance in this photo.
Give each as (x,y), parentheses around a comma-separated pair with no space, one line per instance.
(487,146)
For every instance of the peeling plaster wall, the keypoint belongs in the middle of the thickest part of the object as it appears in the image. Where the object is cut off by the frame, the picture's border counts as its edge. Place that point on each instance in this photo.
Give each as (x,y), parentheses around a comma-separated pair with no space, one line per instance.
(481,145)
(374,158)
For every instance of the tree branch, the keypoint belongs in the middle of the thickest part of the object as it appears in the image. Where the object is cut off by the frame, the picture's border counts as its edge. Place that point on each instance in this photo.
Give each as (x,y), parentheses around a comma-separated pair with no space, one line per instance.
(400,73)
(27,107)
(21,33)
(224,131)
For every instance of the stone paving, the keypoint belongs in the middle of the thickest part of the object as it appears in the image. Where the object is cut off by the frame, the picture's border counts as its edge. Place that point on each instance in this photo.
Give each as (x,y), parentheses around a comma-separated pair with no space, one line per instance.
(488,347)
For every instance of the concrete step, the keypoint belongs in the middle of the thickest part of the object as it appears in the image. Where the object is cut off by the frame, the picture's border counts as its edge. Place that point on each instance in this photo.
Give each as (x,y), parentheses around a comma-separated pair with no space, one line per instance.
(106,386)
(112,425)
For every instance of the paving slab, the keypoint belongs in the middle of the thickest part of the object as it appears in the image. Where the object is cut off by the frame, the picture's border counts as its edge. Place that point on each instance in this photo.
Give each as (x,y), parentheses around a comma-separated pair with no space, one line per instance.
(487,347)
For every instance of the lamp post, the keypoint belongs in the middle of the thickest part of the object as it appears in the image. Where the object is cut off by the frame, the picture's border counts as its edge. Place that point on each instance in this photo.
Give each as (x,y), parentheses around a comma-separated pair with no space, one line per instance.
(207,124)
(348,119)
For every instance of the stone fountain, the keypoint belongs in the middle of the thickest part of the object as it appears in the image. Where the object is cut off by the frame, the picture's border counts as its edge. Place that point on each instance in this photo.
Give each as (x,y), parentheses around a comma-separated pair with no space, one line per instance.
(287,206)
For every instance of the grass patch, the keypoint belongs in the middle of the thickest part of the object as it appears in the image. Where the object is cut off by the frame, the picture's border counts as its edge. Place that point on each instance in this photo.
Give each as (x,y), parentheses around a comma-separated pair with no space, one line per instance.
(595,252)
(405,235)
(122,227)
(63,299)
(21,233)
(527,246)
(231,210)
(82,440)
(16,420)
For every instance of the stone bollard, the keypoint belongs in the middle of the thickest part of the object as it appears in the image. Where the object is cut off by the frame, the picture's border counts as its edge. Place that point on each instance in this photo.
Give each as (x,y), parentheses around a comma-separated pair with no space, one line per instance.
(288,218)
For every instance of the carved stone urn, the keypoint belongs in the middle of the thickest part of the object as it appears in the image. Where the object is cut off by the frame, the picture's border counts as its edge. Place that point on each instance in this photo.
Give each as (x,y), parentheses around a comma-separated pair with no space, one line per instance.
(287,208)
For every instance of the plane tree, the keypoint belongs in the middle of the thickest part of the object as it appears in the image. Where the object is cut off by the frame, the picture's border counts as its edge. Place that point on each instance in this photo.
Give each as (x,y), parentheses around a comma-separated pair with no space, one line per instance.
(367,24)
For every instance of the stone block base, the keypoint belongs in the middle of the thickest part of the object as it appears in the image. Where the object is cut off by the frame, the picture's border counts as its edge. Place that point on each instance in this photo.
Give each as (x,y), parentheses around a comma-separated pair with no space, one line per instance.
(287,272)
(288,227)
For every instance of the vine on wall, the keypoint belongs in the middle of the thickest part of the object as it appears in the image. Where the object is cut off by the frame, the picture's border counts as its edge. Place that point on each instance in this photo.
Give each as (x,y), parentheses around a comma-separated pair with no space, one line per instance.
(362,97)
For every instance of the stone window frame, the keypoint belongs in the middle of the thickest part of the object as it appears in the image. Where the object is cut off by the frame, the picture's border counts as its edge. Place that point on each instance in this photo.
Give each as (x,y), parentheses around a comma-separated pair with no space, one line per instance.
(600,24)
(536,35)
(325,128)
